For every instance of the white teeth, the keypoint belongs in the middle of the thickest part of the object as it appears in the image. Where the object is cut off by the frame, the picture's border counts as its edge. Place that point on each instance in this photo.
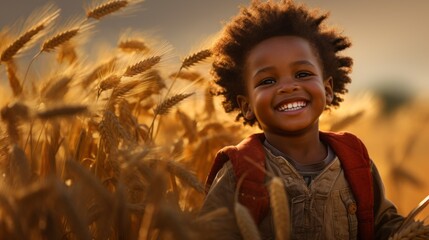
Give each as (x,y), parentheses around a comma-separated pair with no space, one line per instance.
(292,106)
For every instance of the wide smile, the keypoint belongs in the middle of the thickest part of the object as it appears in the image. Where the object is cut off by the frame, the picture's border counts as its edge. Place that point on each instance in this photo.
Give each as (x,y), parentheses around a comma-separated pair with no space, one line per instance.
(291,106)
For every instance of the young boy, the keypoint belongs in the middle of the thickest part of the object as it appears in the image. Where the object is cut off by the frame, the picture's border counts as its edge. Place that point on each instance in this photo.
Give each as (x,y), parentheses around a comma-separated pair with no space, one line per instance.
(280,67)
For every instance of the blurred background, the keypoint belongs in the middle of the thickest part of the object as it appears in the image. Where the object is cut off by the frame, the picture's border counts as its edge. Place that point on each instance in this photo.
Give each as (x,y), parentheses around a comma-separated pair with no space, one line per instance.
(390,37)
(388,101)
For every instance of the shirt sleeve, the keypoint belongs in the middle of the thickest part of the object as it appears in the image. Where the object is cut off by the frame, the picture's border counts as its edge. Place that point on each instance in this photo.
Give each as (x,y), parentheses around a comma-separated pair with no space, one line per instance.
(221,194)
(387,219)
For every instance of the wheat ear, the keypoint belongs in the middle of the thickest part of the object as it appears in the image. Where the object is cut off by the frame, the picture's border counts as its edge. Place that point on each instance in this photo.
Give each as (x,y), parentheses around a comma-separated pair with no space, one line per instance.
(414,230)
(142,66)
(185,175)
(187,75)
(280,208)
(20,170)
(59,39)
(218,212)
(195,58)
(62,111)
(57,89)
(245,221)
(189,61)
(14,83)
(48,15)
(167,104)
(98,71)
(133,46)
(106,9)
(109,83)
(9,210)
(121,90)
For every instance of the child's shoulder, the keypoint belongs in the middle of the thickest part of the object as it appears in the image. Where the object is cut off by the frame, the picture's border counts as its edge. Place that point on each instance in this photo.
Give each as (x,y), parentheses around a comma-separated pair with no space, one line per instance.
(343,137)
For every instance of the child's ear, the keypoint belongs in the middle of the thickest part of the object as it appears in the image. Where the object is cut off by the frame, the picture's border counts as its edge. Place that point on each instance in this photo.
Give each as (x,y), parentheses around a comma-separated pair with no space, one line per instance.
(245,107)
(329,89)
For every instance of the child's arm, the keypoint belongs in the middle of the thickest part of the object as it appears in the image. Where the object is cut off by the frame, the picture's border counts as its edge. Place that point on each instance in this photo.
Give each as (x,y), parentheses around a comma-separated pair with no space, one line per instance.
(387,219)
(221,194)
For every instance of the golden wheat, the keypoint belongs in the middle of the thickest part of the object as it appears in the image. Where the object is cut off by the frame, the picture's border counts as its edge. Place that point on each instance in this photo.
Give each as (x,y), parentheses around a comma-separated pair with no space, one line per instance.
(56,89)
(189,124)
(57,40)
(133,45)
(73,172)
(111,194)
(48,15)
(62,111)
(165,106)
(20,172)
(109,83)
(187,75)
(195,58)
(99,71)
(185,175)
(66,52)
(106,8)
(142,66)
(122,90)
(14,82)
(280,208)
(414,230)
(245,222)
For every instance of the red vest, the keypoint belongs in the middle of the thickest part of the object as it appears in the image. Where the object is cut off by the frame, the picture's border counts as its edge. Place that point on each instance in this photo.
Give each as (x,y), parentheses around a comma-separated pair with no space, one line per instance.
(254,194)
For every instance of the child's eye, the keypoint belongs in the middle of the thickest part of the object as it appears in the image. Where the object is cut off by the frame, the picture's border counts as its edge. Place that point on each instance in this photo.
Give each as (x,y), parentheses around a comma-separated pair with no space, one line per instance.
(303,74)
(266,81)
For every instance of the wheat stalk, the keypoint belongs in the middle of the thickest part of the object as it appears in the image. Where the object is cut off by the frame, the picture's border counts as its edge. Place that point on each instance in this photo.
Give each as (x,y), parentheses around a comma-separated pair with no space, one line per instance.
(209,107)
(27,37)
(19,43)
(245,222)
(414,230)
(106,8)
(20,171)
(8,209)
(142,66)
(12,114)
(166,105)
(58,89)
(280,208)
(195,58)
(57,40)
(100,70)
(190,61)
(14,83)
(133,46)
(206,218)
(413,213)
(187,75)
(121,90)
(67,52)
(109,83)
(189,124)
(62,111)
(185,175)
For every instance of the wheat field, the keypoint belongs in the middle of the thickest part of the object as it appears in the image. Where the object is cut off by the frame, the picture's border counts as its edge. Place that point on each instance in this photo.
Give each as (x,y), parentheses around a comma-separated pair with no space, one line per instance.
(117,145)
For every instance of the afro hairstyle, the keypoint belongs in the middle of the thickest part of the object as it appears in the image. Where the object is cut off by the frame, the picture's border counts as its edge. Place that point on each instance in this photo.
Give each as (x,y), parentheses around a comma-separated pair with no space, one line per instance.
(263,20)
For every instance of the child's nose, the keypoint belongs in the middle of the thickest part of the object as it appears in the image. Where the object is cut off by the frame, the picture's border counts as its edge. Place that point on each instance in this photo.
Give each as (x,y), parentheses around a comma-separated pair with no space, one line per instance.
(287,85)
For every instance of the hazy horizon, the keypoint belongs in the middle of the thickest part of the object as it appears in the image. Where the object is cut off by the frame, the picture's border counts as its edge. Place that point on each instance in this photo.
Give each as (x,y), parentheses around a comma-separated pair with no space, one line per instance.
(390,38)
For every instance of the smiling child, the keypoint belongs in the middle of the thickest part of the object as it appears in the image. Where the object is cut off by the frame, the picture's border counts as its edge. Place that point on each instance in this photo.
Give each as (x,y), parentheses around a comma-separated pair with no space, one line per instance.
(280,68)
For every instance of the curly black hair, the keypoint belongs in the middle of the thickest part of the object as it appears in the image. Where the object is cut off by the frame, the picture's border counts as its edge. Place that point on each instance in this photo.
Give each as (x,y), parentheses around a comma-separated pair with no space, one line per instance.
(263,20)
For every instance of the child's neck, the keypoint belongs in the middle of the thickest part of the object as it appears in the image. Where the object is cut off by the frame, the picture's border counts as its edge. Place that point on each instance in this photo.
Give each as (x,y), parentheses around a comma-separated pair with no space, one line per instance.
(304,149)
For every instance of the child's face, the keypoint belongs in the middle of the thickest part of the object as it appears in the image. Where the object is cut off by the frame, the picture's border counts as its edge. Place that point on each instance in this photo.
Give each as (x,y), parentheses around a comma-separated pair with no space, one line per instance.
(286,92)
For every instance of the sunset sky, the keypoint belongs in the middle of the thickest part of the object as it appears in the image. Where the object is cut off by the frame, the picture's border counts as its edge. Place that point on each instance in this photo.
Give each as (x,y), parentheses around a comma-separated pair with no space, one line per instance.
(390,37)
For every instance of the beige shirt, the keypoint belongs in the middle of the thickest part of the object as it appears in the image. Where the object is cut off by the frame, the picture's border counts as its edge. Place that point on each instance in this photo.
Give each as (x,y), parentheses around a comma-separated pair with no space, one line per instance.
(326,209)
